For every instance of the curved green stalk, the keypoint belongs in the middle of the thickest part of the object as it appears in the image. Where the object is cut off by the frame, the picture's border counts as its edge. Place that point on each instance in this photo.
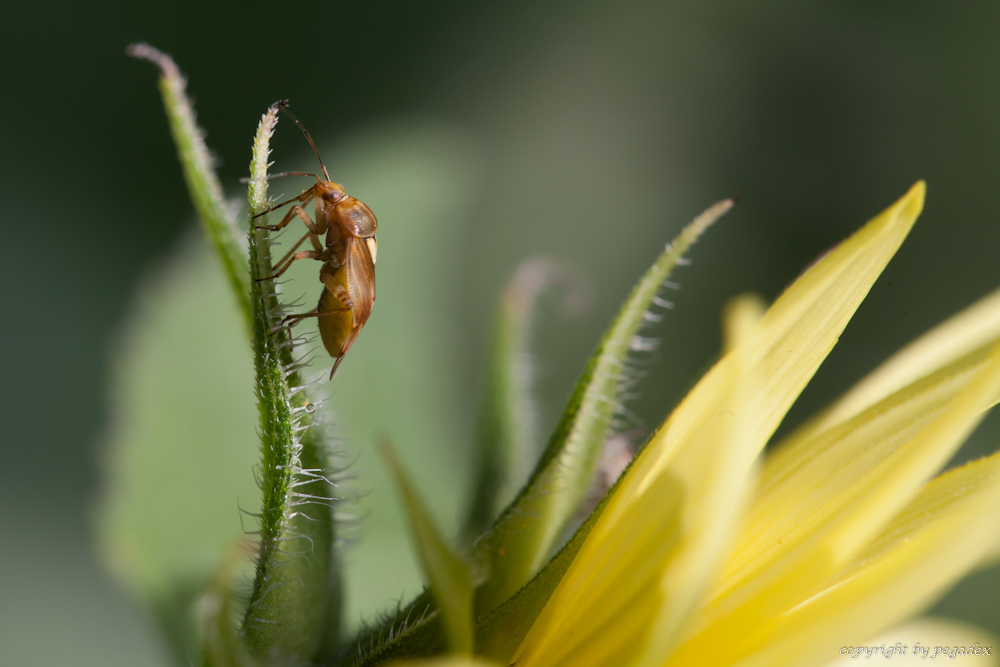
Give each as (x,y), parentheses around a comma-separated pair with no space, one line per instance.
(218,221)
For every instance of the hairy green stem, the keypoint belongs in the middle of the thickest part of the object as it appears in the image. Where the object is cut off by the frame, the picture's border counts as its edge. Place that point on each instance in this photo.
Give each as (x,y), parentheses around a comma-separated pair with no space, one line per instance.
(293,610)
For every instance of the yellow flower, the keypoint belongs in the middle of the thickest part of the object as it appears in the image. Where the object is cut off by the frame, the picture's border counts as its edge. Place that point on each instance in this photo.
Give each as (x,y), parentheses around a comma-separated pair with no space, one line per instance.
(709,553)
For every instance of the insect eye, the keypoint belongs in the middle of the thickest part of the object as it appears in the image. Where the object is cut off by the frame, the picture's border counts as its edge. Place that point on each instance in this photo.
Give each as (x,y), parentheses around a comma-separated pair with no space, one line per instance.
(331,195)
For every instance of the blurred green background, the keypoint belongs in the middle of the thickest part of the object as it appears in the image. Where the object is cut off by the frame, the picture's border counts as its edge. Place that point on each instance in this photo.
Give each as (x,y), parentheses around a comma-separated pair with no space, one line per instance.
(480,134)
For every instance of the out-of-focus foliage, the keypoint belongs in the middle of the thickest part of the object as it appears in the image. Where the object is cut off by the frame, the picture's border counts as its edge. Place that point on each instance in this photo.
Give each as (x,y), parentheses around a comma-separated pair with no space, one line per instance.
(183,442)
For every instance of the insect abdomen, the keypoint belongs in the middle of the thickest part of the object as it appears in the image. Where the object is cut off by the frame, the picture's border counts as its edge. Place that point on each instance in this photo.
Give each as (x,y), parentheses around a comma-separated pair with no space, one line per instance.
(336,327)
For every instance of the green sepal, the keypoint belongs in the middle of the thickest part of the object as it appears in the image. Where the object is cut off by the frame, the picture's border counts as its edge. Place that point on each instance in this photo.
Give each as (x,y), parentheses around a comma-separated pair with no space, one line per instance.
(524,535)
(508,427)
(450,582)
(499,633)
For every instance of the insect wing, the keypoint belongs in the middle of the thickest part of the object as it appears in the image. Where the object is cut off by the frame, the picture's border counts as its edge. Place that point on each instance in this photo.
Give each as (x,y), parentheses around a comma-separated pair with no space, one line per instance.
(361,280)
(355,218)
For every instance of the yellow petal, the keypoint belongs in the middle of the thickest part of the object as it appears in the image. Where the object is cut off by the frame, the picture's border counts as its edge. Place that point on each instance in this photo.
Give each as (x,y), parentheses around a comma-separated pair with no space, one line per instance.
(820,462)
(799,493)
(858,484)
(934,541)
(614,576)
(451,661)
(664,548)
(713,469)
(991,557)
(799,329)
(915,642)
(975,327)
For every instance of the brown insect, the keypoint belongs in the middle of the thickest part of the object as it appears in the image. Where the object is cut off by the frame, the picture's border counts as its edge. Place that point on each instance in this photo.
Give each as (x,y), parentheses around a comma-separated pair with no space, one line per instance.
(348,255)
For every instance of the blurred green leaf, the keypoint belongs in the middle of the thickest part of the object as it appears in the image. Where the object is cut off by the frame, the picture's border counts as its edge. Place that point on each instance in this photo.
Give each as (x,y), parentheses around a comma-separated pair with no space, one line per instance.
(221,644)
(450,583)
(181,445)
(153,552)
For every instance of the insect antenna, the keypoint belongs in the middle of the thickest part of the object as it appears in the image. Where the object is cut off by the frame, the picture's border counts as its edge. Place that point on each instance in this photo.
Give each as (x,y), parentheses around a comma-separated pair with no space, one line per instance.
(246,179)
(287,201)
(283,105)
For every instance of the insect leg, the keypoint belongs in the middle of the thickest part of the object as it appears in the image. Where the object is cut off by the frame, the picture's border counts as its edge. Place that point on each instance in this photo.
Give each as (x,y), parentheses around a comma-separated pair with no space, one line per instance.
(309,235)
(295,319)
(302,254)
(338,290)
(296,211)
(304,198)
